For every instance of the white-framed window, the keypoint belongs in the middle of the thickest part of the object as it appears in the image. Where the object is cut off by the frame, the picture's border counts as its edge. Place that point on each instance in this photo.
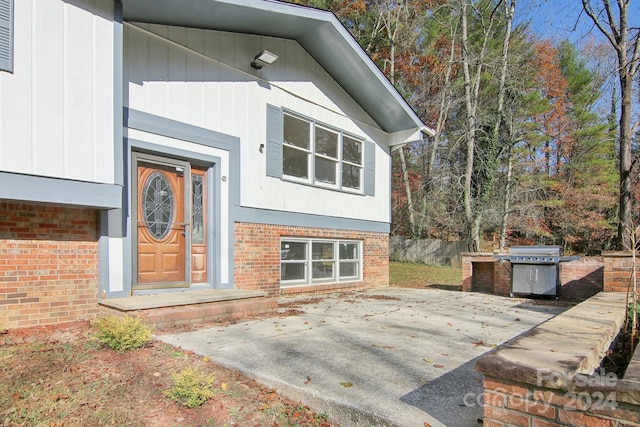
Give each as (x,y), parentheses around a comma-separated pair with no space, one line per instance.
(318,154)
(316,261)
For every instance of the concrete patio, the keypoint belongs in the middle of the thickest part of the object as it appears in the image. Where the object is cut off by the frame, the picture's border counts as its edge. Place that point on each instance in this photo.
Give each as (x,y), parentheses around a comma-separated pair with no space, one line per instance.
(388,356)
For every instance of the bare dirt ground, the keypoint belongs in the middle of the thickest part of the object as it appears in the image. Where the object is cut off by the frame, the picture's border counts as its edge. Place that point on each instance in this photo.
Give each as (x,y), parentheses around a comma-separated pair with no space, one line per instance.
(60,376)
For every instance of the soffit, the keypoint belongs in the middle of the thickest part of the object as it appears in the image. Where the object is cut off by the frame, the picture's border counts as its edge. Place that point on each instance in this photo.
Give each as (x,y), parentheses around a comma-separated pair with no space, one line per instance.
(318,32)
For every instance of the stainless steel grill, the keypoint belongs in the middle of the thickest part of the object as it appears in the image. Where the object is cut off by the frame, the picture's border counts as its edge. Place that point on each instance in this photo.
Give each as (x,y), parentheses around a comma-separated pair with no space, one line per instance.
(535,269)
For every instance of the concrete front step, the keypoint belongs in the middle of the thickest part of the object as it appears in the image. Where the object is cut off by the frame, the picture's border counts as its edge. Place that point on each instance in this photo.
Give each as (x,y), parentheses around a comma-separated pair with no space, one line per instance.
(172,309)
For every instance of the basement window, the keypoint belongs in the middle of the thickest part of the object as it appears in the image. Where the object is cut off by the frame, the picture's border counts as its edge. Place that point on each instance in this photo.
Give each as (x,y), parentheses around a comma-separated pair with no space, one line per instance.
(317,261)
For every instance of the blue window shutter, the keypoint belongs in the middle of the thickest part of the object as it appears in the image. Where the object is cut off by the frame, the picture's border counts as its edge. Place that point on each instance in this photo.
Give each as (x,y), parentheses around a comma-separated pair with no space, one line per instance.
(274,141)
(369,168)
(6,35)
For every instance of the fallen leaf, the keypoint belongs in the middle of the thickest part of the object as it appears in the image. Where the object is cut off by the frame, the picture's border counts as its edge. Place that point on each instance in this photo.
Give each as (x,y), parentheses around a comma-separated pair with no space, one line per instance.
(437,365)
(429,360)
(346,384)
(308,380)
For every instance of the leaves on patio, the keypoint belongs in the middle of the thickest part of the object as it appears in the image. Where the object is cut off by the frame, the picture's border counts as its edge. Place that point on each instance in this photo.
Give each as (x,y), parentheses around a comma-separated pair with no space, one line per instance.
(346,384)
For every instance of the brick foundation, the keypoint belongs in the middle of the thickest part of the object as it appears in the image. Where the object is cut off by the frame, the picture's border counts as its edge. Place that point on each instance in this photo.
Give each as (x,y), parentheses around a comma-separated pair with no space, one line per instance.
(48,264)
(257,257)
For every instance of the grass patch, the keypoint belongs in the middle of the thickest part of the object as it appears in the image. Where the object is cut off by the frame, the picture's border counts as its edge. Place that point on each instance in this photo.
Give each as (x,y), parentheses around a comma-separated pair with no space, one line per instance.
(415,275)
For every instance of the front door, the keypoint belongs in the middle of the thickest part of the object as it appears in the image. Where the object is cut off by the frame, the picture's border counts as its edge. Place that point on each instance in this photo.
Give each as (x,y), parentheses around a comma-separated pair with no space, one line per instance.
(161,226)
(172,207)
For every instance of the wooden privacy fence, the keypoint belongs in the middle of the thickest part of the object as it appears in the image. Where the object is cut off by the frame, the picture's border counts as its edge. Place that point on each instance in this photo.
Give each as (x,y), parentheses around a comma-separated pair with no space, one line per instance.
(427,251)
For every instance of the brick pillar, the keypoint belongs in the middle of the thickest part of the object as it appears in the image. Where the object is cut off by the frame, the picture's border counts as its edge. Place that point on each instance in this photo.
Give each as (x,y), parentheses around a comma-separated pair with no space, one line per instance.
(617,271)
(482,272)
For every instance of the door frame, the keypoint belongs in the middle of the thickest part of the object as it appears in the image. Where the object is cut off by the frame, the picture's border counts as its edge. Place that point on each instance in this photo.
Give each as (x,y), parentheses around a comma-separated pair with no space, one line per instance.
(136,157)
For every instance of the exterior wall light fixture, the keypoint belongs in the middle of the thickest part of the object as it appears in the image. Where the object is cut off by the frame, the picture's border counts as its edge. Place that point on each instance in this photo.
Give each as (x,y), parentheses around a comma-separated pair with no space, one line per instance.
(263,58)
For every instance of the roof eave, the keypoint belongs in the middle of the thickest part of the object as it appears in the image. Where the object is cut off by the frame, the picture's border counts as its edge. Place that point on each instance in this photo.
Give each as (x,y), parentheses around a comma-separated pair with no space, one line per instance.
(314,29)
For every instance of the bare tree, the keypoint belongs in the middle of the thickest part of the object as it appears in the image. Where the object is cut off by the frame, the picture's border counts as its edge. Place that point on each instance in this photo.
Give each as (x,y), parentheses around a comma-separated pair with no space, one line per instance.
(625,40)
(472,80)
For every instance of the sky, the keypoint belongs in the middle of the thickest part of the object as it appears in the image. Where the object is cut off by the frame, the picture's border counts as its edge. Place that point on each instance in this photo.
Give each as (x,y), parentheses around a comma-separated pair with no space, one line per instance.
(560,19)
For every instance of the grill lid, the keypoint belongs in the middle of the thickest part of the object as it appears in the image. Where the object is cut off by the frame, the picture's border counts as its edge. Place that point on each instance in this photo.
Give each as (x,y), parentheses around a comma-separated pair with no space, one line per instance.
(535,254)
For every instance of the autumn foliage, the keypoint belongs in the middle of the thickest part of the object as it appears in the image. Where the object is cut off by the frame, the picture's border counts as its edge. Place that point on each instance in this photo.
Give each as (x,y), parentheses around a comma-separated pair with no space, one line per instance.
(549,175)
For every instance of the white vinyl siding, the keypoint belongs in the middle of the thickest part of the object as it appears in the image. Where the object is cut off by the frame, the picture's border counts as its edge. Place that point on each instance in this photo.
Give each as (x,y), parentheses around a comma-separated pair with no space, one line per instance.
(317,261)
(224,94)
(57,106)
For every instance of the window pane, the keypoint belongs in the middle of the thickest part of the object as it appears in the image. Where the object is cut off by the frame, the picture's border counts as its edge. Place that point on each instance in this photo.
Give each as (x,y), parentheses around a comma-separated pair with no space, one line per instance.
(326,142)
(322,270)
(349,269)
(293,271)
(197,218)
(351,176)
(322,250)
(296,132)
(351,150)
(349,251)
(325,170)
(295,162)
(293,250)
(159,205)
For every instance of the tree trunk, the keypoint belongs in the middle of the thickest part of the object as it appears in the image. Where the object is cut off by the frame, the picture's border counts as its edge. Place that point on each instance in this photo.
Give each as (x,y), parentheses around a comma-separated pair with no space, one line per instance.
(470,131)
(624,224)
(472,209)
(628,56)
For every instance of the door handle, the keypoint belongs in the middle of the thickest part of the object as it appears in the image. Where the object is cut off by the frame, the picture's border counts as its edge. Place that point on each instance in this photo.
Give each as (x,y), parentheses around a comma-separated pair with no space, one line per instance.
(184,226)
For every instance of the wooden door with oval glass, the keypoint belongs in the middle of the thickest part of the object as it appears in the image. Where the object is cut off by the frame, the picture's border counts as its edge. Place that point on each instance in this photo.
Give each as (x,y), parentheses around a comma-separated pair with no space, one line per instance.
(171,247)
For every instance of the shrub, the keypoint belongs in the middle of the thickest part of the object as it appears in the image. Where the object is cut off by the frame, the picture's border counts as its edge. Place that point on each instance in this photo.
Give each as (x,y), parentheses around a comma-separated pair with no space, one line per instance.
(123,333)
(191,388)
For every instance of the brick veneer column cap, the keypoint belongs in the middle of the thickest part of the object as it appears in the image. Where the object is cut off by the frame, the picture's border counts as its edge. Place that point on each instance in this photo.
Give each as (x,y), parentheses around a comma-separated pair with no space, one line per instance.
(616,254)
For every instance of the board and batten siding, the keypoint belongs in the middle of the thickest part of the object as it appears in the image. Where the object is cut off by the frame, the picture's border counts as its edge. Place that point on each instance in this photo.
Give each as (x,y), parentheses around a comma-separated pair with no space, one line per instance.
(57,103)
(204,78)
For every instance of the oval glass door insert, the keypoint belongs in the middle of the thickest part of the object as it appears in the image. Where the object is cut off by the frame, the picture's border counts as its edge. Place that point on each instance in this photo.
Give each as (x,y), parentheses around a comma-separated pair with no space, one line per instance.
(159,205)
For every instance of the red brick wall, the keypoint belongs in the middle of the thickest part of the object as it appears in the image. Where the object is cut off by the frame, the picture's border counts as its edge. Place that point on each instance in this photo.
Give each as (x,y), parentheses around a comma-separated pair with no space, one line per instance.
(617,271)
(257,257)
(482,272)
(48,264)
(482,279)
(517,404)
(583,278)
